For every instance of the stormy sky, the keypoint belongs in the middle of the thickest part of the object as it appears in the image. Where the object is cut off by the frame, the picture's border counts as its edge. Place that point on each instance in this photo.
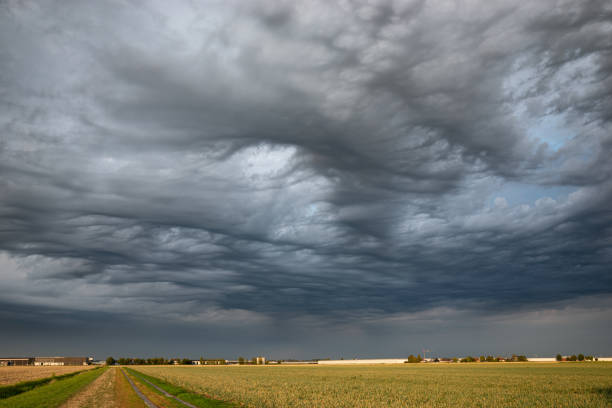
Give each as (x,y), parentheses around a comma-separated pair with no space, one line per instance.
(305,179)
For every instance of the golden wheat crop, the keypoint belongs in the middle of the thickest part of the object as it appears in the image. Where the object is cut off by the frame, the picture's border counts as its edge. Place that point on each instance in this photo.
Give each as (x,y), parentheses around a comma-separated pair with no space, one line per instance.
(415,385)
(15,374)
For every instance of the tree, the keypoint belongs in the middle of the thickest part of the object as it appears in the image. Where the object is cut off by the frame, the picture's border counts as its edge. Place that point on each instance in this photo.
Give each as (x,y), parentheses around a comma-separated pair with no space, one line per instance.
(580,357)
(412,359)
(241,360)
(201,360)
(482,359)
(110,361)
(158,361)
(559,357)
(573,358)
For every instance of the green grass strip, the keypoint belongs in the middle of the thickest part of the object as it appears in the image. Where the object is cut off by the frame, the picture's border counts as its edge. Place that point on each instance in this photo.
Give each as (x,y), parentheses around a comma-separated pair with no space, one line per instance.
(7,391)
(196,399)
(54,393)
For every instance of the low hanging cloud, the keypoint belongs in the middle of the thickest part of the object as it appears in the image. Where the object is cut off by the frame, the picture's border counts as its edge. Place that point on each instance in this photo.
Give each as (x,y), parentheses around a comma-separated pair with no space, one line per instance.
(266,161)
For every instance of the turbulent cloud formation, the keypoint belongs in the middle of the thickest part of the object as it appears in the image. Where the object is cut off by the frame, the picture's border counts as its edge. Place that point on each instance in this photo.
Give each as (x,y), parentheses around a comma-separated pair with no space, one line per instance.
(297,166)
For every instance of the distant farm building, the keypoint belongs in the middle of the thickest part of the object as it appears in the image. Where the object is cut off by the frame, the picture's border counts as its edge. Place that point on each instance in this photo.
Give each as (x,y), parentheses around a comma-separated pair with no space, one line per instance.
(45,361)
(62,361)
(216,361)
(16,361)
(542,359)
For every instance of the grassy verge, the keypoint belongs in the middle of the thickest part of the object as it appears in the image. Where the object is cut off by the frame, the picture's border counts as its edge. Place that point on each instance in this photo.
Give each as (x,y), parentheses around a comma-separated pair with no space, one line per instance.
(53,393)
(196,399)
(15,389)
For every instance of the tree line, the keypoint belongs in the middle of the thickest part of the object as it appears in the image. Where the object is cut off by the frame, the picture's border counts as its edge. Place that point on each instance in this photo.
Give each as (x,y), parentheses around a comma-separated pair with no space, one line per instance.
(491,359)
(162,361)
(573,357)
(469,359)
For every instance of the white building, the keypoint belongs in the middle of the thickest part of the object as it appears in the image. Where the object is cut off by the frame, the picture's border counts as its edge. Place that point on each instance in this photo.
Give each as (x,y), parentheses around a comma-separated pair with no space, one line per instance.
(365,361)
(542,359)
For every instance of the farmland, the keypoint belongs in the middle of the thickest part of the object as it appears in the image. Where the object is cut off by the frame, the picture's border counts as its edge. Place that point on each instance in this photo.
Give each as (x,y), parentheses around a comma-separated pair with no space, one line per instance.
(371,386)
(52,394)
(12,375)
(418,385)
(108,387)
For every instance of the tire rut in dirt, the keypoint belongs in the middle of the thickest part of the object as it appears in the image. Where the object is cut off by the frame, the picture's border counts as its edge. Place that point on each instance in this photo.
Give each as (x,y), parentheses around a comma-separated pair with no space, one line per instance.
(146,400)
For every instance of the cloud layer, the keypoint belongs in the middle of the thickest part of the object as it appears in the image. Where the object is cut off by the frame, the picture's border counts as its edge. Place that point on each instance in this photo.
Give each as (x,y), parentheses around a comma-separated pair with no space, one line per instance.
(241,164)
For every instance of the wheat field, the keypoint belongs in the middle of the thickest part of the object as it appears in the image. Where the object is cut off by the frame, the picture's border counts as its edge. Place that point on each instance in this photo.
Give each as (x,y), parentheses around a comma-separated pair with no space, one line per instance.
(16,374)
(409,385)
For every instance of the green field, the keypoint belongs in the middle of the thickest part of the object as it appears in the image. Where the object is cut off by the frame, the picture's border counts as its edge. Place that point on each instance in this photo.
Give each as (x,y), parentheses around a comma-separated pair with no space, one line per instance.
(409,385)
(53,393)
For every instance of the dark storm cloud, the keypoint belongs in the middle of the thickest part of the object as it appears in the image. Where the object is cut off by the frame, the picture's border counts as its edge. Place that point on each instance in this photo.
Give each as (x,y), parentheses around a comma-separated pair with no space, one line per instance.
(348,161)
